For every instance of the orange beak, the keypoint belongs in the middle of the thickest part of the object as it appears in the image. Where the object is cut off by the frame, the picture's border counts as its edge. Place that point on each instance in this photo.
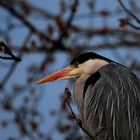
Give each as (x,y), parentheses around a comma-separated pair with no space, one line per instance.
(61,74)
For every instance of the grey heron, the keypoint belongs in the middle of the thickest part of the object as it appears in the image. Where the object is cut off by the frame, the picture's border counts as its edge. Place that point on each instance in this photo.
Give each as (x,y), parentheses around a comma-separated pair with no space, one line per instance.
(107,95)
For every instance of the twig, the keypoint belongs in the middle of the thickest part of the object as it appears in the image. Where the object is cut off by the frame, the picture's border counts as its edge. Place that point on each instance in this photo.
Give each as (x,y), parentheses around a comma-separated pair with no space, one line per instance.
(129,12)
(13,66)
(78,121)
(133,26)
(5,49)
(25,21)
(69,21)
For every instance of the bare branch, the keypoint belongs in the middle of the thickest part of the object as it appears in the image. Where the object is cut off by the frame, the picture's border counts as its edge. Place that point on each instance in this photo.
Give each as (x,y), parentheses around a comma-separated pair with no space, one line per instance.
(25,21)
(133,26)
(5,49)
(78,121)
(69,21)
(129,12)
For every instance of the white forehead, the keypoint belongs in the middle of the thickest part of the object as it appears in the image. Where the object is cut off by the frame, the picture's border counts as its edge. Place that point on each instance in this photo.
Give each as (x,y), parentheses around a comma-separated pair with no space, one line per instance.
(92,65)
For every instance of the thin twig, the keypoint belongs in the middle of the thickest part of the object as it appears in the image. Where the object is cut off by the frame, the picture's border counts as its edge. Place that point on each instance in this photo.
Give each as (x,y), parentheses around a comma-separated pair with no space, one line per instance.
(25,21)
(133,26)
(78,121)
(6,50)
(69,21)
(13,66)
(129,12)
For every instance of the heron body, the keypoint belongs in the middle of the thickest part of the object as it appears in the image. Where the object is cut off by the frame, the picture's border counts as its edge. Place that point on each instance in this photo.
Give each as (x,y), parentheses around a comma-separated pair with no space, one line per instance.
(111,99)
(107,95)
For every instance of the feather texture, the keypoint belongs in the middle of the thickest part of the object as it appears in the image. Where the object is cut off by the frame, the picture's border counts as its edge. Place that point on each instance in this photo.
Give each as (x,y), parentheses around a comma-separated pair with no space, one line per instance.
(111,99)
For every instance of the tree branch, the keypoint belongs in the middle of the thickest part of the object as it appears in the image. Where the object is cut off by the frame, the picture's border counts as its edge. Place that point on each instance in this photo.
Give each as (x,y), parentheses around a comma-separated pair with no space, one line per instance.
(69,21)
(78,121)
(25,21)
(5,49)
(129,12)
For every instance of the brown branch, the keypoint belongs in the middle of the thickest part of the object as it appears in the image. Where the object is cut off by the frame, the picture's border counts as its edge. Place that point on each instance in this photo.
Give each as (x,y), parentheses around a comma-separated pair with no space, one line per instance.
(14,64)
(56,44)
(83,47)
(42,12)
(129,12)
(133,26)
(6,50)
(117,44)
(78,121)
(25,21)
(69,21)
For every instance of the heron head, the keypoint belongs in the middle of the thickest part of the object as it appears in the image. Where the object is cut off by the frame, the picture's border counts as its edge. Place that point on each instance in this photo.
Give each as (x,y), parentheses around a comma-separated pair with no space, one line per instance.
(86,63)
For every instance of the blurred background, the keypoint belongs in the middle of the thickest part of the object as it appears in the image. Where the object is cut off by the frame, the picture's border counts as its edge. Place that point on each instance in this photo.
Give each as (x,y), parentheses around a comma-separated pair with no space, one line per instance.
(40,37)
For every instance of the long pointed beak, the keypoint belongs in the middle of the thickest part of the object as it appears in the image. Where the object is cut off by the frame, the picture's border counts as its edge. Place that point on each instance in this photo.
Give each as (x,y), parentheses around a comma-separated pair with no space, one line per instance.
(61,74)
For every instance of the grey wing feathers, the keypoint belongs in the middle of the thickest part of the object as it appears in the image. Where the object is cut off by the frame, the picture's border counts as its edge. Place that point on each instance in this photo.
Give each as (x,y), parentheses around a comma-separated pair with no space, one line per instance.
(113,102)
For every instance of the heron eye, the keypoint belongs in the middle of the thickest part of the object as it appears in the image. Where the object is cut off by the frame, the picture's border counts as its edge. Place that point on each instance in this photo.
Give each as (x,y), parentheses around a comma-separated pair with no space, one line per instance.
(75,65)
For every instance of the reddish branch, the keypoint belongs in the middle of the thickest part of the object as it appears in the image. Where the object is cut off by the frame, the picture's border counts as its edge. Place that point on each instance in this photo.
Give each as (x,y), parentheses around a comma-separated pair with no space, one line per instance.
(69,21)
(130,13)
(6,50)
(78,121)
(22,18)
(14,64)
